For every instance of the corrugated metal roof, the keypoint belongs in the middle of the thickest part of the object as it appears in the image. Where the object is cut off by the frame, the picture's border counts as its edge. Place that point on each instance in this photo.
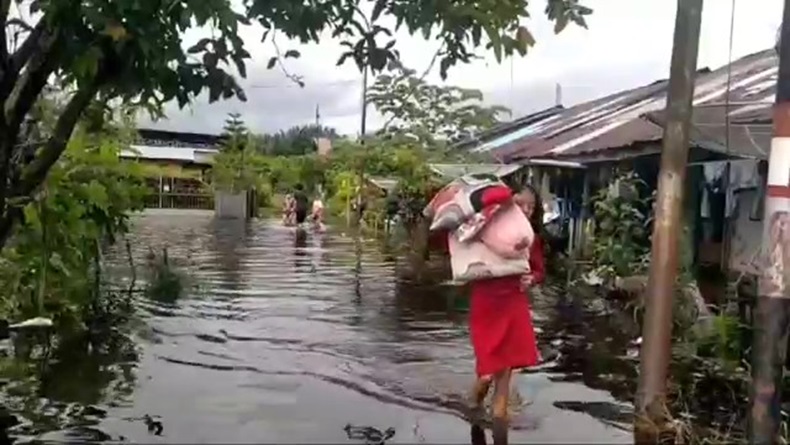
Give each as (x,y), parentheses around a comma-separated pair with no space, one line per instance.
(588,124)
(183,154)
(386,184)
(452,171)
(506,131)
(630,117)
(751,98)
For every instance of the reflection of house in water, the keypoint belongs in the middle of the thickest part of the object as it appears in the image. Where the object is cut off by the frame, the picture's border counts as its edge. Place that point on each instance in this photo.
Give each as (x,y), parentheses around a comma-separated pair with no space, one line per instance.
(176,165)
(624,131)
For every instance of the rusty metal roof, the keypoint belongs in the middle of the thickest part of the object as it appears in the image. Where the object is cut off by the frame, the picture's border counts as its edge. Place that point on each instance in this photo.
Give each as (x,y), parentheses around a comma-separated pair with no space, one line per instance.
(630,118)
(750,106)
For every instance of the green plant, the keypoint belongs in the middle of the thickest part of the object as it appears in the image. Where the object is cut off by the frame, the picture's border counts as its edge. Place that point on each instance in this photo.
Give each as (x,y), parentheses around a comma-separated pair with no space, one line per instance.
(419,111)
(51,263)
(132,51)
(165,284)
(620,238)
(232,171)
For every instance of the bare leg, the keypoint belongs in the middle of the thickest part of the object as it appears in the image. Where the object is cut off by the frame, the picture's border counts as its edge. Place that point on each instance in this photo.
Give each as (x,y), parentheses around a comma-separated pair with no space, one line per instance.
(500,406)
(476,401)
(479,392)
(478,435)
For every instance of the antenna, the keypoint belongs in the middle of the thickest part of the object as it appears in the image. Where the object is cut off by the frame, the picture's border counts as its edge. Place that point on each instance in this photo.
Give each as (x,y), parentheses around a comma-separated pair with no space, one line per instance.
(511,88)
(558,94)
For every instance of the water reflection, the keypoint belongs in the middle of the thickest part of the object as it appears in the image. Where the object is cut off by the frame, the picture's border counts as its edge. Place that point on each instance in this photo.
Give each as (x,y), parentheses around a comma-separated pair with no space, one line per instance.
(291,335)
(61,398)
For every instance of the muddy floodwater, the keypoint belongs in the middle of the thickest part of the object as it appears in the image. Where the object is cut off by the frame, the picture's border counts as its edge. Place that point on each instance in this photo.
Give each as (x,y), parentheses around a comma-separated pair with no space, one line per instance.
(285,338)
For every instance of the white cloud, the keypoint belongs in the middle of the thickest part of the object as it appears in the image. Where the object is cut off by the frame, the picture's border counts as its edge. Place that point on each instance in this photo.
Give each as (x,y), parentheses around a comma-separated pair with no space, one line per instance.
(628,44)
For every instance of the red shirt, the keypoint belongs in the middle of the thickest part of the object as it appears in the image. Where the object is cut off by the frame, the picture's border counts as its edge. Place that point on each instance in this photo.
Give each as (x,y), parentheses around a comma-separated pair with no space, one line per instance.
(537,264)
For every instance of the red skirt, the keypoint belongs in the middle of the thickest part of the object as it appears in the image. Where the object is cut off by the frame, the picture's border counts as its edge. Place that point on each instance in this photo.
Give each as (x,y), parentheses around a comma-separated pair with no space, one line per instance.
(500,324)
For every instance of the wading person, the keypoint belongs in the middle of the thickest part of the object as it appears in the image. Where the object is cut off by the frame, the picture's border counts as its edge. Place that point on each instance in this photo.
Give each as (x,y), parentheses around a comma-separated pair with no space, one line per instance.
(301,204)
(317,214)
(289,206)
(500,325)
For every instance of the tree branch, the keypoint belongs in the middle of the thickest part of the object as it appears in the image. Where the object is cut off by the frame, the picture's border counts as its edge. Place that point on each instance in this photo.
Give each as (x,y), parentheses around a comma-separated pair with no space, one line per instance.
(18,96)
(416,84)
(35,41)
(36,171)
(292,77)
(5,6)
(29,86)
(26,49)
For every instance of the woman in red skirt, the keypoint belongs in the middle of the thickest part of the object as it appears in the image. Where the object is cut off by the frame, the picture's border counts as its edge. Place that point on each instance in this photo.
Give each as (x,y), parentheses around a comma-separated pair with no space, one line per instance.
(500,324)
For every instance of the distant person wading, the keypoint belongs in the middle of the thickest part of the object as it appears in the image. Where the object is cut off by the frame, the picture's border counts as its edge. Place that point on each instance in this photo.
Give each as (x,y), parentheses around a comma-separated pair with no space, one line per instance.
(302,204)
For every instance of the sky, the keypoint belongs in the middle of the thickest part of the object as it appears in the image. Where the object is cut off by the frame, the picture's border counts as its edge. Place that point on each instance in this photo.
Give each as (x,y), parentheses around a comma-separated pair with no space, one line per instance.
(628,43)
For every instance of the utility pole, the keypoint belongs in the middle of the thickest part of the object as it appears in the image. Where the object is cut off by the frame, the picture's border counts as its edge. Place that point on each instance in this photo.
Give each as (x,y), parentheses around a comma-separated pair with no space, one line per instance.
(362,130)
(364,116)
(773,303)
(651,415)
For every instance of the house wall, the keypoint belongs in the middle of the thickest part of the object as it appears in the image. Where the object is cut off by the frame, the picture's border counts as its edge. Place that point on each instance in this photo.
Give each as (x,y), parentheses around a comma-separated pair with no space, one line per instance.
(746,234)
(174,167)
(227,205)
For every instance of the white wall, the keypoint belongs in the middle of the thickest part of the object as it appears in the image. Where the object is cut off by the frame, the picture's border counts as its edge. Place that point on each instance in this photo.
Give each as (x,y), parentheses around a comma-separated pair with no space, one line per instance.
(230,206)
(746,235)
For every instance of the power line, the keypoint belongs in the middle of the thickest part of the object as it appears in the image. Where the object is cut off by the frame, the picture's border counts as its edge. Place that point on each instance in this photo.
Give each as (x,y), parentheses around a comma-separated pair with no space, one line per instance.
(307,84)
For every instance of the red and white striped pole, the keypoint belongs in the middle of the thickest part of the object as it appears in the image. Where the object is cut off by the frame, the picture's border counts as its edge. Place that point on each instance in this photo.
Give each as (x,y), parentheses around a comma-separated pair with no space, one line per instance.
(772,317)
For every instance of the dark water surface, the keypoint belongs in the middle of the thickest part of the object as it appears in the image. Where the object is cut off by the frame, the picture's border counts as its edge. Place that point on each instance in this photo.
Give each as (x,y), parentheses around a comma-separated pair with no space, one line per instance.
(287,339)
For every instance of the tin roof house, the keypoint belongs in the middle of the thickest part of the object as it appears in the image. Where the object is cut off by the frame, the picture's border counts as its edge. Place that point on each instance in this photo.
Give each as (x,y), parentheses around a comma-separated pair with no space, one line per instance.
(730,140)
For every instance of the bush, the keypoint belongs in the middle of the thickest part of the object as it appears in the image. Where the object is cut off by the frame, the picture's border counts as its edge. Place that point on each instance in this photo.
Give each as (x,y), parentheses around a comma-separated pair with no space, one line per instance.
(50,265)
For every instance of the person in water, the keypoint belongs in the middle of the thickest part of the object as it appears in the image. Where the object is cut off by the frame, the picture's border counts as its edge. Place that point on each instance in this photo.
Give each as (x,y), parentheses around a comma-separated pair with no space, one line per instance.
(289,208)
(317,214)
(302,204)
(500,326)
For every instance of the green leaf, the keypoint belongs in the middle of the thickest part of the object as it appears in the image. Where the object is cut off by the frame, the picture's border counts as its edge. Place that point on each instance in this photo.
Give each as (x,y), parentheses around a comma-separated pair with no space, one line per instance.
(31,215)
(524,37)
(560,24)
(210,60)
(378,8)
(292,53)
(199,46)
(96,193)
(342,59)
(240,65)
(272,63)
(57,264)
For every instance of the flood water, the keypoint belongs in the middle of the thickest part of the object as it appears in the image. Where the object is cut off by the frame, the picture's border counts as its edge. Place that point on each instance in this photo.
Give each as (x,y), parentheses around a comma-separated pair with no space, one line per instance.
(282,338)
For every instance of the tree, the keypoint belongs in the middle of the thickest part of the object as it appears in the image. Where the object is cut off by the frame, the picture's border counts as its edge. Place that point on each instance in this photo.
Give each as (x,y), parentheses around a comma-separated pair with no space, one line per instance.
(235,134)
(297,140)
(428,112)
(131,50)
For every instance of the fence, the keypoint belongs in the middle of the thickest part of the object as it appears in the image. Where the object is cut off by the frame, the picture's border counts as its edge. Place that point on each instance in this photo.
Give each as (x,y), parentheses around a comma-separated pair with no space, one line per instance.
(188,200)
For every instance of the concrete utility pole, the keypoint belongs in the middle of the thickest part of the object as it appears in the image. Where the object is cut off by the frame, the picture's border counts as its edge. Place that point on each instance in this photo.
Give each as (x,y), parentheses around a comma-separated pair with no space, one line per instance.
(773,303)
(657,330)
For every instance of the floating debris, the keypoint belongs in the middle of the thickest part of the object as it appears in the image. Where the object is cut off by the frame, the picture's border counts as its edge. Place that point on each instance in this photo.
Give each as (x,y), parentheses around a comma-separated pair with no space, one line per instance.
(38,322)
(371,435)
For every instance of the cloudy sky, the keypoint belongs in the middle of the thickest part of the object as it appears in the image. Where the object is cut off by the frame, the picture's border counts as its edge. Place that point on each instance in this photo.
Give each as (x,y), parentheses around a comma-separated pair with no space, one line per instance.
(628,44)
